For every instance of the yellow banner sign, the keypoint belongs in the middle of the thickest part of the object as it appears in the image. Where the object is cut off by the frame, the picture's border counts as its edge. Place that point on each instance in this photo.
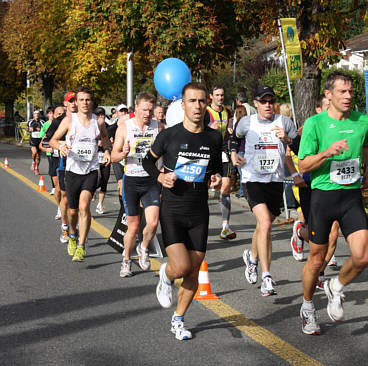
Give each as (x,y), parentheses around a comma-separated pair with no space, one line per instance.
(292,48)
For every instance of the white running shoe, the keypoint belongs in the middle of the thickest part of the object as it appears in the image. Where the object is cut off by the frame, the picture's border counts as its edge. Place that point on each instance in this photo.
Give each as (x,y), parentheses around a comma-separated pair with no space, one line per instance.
(52,192)
(250,272)
(310,325)
(267,286)
(296,242)
(164,289)
(126,268)
(320,281)
(143,257)
(335,309)
(58,214)
(64,236)
(178,328)
(333,261)
(99,209)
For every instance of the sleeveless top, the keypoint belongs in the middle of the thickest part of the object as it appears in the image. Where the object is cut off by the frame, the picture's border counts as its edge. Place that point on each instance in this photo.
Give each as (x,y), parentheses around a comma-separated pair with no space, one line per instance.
(219,119)
(83,157)
(140,143)
(264,152)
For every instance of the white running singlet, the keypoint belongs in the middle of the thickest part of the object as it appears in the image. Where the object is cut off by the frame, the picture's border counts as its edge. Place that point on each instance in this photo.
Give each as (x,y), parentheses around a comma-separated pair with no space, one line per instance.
(83,157)
(140,142)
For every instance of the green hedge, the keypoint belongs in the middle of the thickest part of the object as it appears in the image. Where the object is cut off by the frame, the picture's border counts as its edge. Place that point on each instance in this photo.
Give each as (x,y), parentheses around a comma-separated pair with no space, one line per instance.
(276,78)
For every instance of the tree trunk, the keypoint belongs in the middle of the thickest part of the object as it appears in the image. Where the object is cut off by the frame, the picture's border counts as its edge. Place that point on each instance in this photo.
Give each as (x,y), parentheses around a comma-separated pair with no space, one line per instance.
(47,89)
(307,91)
(9,128)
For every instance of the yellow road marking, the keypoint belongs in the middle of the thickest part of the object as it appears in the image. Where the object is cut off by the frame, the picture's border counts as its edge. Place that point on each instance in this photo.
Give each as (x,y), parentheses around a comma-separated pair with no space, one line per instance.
(267,339)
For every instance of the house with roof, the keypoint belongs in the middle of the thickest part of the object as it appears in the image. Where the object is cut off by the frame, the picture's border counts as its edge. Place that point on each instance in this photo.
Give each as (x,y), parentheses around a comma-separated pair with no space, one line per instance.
(355,53)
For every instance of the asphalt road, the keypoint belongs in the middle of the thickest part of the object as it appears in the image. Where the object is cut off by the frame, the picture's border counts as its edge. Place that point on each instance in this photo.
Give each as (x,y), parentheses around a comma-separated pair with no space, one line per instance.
(56,312)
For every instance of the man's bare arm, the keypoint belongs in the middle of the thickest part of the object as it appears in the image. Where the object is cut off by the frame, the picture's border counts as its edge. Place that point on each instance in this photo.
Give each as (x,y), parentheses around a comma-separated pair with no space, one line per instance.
(120,149)
(104,140)
(312,162)
(55,141)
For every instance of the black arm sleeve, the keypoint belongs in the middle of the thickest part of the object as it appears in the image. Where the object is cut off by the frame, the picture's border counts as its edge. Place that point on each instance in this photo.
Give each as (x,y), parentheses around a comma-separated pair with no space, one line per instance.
(234,140)
(294,144)
(149,165)
(207,119)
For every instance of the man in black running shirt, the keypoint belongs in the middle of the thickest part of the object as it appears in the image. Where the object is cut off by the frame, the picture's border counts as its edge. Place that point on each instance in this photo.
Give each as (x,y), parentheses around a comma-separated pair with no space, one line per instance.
(192,158)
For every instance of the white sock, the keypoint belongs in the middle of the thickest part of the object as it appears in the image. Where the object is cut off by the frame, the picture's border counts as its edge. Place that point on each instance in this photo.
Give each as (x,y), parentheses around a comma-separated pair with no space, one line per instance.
(64,227)
(252,260)
(265,274)
(308,305)
(225,225)
(336,285)
(166,279)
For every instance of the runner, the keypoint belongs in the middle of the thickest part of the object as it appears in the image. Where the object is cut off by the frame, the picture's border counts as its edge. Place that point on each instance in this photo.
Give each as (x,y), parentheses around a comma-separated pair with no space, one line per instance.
(300,227)
(104,170)
(334,148)
(82,130)
(192,157)
(45,126)
(133,139)
(121,116)
(266,135)
(70,107)
(218,118)
(34,127)
(52,155)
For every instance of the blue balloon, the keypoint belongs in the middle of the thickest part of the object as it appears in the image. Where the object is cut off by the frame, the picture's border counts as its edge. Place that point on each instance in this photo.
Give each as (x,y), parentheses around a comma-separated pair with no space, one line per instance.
(170,77)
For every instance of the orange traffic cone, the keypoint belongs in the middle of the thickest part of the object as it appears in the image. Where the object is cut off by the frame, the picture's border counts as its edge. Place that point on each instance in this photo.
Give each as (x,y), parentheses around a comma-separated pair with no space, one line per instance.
(6,163)
(204,288)
(41,185)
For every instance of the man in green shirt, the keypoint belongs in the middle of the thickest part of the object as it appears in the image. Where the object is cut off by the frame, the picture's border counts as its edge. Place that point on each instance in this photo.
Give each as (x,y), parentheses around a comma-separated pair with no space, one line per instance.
(334,149)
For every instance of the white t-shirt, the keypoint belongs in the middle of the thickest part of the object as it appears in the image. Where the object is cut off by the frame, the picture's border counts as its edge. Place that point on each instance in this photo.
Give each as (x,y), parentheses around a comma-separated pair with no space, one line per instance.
(264,152)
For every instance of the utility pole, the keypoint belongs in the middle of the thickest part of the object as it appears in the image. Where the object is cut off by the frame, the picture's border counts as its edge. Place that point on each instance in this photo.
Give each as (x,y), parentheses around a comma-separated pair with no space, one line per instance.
(29,98)
(130,65)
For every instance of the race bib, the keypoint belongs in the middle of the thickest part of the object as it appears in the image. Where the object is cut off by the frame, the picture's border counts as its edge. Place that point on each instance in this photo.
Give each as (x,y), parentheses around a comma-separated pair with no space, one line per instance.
(35,134)
(266,163)
(140,148)
(191,170)
(345,171)
(84,151)
(224,157)
(55,153)
(101,155)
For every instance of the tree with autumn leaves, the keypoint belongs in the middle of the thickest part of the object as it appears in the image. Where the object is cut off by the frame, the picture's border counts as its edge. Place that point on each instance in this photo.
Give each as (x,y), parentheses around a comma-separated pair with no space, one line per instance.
(321,25)
(73,42)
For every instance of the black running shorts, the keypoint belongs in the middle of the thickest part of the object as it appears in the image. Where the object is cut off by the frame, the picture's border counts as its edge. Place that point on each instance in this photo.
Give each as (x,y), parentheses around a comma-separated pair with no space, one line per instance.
(140,189)
(226,170)
(53,165)
(118,170)
(305,194)
(61,178)
(76,183)
(343,205)
(35,142)
(268,193)
(185,224)
(103,177)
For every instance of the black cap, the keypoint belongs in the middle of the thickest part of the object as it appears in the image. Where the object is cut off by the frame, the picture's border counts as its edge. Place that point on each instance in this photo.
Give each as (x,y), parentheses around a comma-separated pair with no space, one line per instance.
(100,110)
(264,90)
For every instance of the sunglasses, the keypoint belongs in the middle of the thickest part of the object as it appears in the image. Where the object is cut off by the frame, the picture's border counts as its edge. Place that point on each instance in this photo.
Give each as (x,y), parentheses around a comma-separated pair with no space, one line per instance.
(263,101)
